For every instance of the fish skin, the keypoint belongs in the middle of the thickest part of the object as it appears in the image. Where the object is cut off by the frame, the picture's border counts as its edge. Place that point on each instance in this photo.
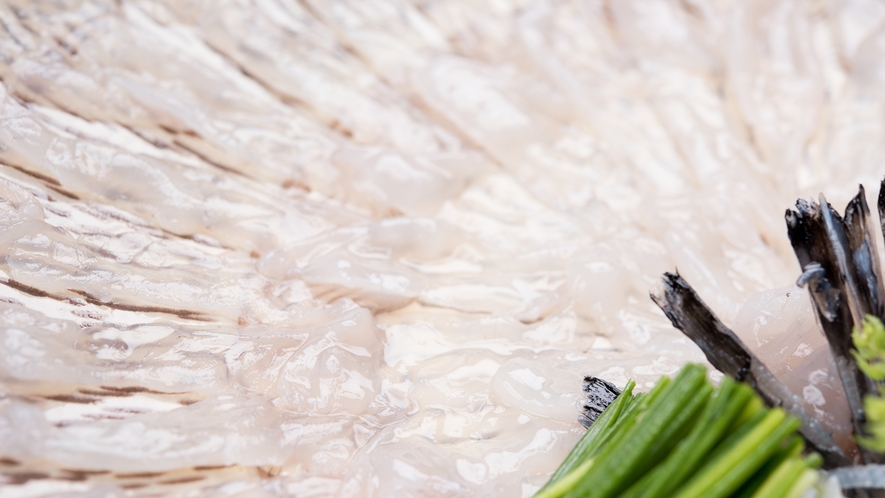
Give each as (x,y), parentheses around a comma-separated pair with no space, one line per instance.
(599,394)
(841,269)
(725,351)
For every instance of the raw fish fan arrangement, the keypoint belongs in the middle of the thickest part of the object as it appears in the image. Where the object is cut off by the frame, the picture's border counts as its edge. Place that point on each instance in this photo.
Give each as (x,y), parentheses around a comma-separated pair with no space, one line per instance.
(354,248)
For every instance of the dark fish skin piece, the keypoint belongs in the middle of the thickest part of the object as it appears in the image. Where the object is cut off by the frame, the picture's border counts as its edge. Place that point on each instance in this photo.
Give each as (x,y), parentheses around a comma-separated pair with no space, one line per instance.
(859,232)
(689,314)
(841,269)
(880,204)
(725,351)
(598,395)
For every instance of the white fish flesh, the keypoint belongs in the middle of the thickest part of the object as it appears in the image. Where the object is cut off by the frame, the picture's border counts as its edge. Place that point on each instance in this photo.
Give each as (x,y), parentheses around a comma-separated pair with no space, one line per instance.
(371,248)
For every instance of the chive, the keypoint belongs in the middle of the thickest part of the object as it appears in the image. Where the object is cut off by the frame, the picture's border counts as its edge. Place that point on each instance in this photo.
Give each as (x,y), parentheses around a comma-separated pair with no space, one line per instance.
(619,464)
(710,430)
(686,420)
(686,439)
(782,479)
(753,408)
(673,434)
(736,433)
(608,425)
(677,428)
(566,482)
(641,403)
(814,460)
(632,409)
(745,467)
(742,457)
(720,460)
(585,446)
(793,449)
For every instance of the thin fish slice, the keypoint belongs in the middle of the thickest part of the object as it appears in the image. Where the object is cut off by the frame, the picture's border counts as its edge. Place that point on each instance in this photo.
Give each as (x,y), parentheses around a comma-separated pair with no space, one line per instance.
(728,354)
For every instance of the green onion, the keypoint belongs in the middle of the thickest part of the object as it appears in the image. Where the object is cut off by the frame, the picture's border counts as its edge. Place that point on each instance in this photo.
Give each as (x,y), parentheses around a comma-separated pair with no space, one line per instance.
(621,462)
(710,429)
(725,474)
(594,438)
(782,479)
(792,449)
(687,439)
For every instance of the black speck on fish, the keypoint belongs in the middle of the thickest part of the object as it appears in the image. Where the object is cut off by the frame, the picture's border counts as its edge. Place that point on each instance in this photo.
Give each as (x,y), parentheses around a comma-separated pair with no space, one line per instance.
(599,394)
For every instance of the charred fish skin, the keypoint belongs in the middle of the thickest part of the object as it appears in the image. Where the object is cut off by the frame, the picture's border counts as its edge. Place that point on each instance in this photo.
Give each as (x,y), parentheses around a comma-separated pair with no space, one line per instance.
(841,269)
(864,254)
(599,394)
(725,351)
(689,314)
(880,207)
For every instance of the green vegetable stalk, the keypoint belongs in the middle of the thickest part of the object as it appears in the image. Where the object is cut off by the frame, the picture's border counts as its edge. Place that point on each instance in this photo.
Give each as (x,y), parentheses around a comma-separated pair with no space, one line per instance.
(687,439)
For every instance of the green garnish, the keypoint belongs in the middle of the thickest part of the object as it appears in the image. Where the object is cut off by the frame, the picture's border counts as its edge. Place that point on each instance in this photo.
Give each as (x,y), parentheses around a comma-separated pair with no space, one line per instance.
(869,340)
(687,439)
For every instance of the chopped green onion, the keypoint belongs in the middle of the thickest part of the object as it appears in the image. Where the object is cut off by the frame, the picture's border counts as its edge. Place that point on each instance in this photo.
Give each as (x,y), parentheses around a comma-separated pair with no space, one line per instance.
(622,461)
(594,437)
(687,439)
